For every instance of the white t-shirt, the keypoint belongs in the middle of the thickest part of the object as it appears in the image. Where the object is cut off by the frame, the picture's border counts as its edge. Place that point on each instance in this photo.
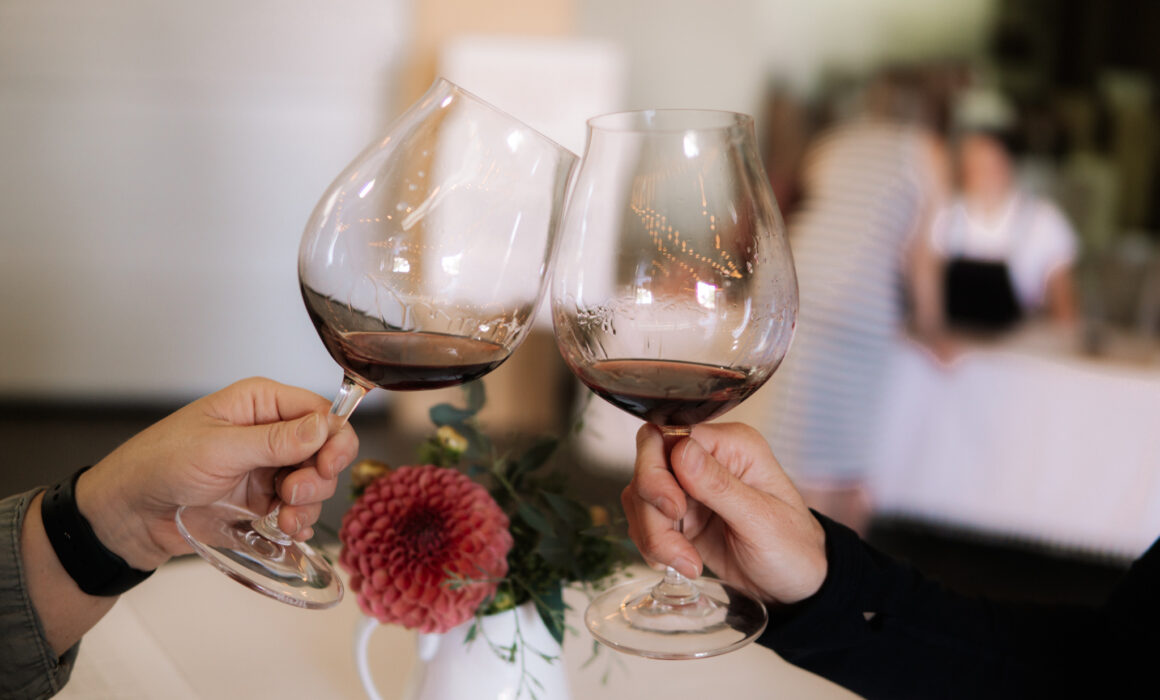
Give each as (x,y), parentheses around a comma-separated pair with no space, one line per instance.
(1031,235)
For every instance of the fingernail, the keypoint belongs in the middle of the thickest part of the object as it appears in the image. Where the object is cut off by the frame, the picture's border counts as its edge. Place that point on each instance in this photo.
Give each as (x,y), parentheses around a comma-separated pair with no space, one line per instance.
(693,458)
(685,566)
(301,493)
(308,428)
(296,528)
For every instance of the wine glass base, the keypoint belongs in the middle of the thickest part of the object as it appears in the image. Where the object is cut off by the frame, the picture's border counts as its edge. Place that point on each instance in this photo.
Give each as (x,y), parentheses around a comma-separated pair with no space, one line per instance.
(294,573)
(721,619)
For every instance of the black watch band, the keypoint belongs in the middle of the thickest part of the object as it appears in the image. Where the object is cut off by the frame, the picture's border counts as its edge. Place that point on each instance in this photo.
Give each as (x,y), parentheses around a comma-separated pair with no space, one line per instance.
(96,570)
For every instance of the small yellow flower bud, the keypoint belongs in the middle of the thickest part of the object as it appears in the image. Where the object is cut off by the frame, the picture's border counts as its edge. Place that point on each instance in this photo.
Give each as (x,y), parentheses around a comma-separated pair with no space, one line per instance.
(365,471)
(599,515)
(450,440)
(503,601)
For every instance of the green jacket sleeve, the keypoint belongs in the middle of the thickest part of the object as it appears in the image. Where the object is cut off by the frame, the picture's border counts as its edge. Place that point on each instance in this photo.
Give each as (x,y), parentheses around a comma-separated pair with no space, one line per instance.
(28,666)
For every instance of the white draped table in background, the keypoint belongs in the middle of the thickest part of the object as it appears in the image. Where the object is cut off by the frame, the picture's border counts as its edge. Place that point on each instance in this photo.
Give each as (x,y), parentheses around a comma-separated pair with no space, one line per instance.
(1026,438)
(189,632)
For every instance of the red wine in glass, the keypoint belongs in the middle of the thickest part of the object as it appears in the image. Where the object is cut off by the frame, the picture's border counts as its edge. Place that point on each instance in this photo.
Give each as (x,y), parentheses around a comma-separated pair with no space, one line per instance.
(667,392)
(398,360)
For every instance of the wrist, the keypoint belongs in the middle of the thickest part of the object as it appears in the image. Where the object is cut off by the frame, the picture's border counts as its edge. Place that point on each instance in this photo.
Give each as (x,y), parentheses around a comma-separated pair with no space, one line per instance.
(116,523)
(813,567)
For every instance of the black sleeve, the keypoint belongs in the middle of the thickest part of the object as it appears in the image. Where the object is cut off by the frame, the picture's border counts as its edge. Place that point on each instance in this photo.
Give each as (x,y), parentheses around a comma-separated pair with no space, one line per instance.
(882,630)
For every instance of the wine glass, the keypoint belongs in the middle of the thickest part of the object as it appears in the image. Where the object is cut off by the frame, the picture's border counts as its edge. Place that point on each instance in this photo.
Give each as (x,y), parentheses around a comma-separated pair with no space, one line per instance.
(421,267)
(674,298)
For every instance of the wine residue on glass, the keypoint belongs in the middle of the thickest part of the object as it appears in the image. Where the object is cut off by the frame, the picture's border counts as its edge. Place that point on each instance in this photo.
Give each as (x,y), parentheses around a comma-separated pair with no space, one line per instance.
(667,392)
(399,360)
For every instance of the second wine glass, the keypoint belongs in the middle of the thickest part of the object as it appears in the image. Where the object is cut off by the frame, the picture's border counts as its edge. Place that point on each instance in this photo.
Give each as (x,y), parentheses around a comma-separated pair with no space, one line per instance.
(674,298)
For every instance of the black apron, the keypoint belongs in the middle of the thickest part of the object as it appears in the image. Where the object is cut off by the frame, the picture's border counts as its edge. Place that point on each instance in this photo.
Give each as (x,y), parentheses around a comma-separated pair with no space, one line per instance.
(979,294)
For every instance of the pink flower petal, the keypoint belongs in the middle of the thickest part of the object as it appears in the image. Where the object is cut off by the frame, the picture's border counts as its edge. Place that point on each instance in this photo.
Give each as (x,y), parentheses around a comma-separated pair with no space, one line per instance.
(407,530)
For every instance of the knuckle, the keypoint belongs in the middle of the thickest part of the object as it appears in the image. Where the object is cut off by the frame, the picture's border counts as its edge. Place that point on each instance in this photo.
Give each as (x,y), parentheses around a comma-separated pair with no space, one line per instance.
(352,439)
(650,543)
(653,486)
(642,435)
(717,482)
(746,432)
(329,487)
(275,439)
(248,383)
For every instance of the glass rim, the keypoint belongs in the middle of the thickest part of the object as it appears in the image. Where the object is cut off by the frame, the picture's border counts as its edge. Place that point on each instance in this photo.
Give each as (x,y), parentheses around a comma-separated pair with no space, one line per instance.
(669,121)
(440,80)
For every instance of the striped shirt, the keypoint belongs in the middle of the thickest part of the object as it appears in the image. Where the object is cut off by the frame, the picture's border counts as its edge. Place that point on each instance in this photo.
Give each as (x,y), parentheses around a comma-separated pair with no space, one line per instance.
(864,194)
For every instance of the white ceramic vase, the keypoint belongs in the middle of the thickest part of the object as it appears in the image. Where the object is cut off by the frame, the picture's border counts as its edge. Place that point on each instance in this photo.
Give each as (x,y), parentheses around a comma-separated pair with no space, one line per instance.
(450,668)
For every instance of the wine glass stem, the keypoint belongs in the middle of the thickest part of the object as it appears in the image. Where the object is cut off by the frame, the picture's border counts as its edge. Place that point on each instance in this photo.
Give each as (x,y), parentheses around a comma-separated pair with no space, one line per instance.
(348,398)
(675,588)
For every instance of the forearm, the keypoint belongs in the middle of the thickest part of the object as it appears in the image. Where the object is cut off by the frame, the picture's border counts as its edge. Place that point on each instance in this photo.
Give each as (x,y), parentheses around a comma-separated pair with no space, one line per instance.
(30,666)
(1061,297)
(925,280)
(103,522)
(880,629)
(65,611)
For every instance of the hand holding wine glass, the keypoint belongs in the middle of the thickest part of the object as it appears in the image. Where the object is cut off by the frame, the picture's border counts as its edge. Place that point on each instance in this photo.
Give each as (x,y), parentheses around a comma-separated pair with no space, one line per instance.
(218,445)
(421,267)
(674,299)
(221,443)
(742,516)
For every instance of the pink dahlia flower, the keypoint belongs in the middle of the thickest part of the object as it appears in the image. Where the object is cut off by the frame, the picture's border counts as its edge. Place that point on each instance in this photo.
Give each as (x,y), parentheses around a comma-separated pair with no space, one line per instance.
(411,531)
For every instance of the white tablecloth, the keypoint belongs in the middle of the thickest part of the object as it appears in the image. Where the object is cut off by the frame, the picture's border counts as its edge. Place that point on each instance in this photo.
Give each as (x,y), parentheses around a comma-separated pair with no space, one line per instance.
(189,632)
(1025,439)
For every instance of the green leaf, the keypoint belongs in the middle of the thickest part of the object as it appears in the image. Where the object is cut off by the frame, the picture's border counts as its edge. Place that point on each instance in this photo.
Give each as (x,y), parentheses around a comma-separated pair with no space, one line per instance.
(431,453)
(476,395)
(627,546)
(593,657)
(446,414)
(535,519)
(499,466)
(471,431)
(556,553)
(550,605)
(478,444)
(536,456)
(471,632)
(571,512)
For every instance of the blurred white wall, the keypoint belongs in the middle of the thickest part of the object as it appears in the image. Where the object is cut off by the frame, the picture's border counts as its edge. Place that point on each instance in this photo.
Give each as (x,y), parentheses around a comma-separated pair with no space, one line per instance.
(721,54)
(158,160)
(553,84)
(157,164)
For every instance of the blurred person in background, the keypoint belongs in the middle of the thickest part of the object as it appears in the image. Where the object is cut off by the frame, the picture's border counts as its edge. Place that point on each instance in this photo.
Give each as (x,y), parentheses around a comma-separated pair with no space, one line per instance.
(870,187)
(1008,254)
